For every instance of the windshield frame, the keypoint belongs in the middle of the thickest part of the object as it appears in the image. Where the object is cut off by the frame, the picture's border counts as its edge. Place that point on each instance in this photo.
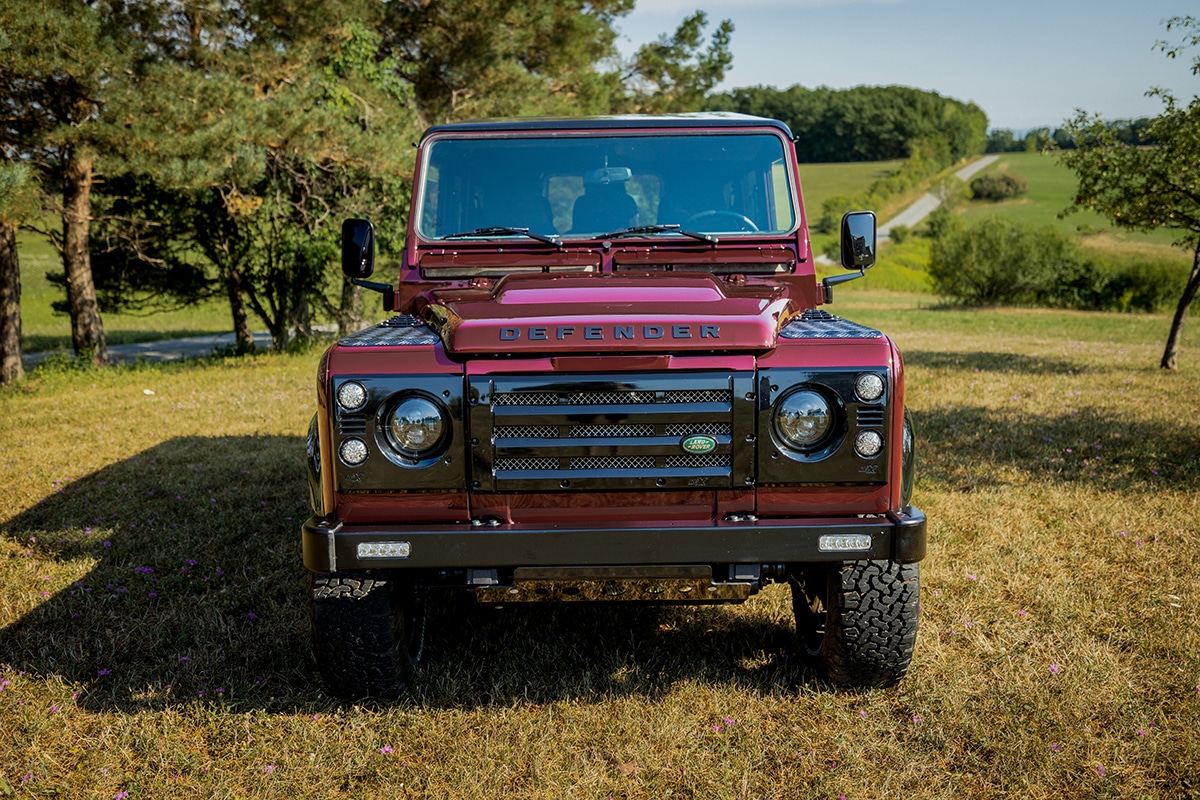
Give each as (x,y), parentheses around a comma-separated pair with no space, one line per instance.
(786,158)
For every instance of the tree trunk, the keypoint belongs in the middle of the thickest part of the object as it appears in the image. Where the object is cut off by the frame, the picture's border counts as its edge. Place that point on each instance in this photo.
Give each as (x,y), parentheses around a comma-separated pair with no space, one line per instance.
(87,331)
(10,305)
(350,315)
(1189,294)
(237,306)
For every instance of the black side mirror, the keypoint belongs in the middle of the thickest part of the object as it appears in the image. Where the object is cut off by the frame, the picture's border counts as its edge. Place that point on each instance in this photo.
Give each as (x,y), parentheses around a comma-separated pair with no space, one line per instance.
(358,248)
(858,240)
(358,259)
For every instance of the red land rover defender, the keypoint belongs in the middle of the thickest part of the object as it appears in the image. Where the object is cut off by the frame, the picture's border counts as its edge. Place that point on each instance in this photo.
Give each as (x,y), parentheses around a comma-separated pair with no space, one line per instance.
(608,378)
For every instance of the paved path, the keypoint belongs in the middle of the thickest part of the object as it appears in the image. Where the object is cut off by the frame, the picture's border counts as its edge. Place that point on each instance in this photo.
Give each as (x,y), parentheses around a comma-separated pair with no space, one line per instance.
(166,350)
(926,203)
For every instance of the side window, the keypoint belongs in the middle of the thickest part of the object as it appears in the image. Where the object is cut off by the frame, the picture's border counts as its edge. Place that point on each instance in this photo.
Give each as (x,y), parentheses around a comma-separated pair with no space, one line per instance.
(429,207)
(781,198)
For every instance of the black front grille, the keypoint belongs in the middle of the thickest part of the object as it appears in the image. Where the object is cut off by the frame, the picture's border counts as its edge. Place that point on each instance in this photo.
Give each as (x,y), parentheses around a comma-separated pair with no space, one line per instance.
(542,432)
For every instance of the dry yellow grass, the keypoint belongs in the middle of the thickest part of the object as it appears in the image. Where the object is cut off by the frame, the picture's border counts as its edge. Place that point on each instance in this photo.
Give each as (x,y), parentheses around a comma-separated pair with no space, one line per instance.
(153,622)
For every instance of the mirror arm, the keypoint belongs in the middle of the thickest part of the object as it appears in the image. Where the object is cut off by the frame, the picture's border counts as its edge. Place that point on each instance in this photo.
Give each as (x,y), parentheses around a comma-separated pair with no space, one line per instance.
(827,284)
(386,289)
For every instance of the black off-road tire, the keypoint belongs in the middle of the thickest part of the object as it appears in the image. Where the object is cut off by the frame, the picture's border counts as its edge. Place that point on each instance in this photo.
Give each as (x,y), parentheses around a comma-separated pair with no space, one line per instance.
(857,622)
(368,633)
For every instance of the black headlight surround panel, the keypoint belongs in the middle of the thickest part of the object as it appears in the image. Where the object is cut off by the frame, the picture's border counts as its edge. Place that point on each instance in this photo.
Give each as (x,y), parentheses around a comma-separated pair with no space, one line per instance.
(385,468)
(835,462)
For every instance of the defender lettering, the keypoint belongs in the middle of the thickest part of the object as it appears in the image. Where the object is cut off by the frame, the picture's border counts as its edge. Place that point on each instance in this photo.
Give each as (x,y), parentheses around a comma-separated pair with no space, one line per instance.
(612,332)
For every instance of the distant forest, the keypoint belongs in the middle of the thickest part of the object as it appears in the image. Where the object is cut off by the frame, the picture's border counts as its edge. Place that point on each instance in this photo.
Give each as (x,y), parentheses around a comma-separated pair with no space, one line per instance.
(866,123)
(883,123)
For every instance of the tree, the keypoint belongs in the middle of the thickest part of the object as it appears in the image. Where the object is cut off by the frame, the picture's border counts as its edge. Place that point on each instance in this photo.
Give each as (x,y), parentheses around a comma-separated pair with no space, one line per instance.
(1145,188)
(321,128)
(14,180)
(673,73)
(56,61)
(322,114)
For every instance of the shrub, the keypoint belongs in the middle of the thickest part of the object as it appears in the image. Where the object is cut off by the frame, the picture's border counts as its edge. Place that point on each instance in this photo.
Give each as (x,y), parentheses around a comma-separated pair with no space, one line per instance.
(898,233)
(998,186)
(1142,283)
(1000,262)
(942,222)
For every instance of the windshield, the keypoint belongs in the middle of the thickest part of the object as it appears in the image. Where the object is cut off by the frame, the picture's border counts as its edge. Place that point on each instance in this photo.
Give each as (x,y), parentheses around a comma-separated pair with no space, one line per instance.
(589,186)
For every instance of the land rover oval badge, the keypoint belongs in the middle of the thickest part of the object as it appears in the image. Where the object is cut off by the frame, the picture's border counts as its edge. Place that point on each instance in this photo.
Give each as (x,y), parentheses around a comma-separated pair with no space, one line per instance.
(698,444)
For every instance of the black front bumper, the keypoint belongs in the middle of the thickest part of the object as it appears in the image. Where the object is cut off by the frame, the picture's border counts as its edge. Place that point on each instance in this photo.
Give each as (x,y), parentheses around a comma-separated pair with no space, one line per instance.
(330,547)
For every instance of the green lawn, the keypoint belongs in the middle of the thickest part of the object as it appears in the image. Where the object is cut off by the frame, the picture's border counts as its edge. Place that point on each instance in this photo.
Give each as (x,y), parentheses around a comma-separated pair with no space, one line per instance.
(1052,189)
(153,631)
(820,182)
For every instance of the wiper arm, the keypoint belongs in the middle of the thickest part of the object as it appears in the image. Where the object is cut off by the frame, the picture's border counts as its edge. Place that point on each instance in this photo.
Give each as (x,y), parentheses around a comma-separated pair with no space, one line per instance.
(661,228)
(501,230)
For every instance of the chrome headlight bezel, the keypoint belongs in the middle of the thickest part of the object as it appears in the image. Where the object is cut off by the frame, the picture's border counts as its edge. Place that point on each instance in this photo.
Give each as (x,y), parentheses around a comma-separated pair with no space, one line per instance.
(804,419)
(416,426)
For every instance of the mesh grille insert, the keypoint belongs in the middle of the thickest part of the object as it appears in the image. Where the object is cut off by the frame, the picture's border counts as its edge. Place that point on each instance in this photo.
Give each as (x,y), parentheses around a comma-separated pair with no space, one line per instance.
(609,398)
(613,462)
(702,429)
(512,464)
(526,432)
(526,399)
(698,396)
(699,462)
(611,431)
(612,398)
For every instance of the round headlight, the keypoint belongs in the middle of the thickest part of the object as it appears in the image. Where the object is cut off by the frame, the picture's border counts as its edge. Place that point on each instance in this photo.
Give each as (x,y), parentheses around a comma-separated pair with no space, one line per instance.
(868,387)
(868,444)
(803,419)
(351,396)
(416,426)
(353,452)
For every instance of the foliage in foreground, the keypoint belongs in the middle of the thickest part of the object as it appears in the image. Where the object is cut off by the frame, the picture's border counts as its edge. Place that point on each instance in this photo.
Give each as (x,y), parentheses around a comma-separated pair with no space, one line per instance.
(153,628)
(1000,262)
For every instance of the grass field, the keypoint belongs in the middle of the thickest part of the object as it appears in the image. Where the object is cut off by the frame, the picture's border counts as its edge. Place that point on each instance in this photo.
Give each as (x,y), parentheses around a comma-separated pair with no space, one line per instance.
(153,622)
(1052,189)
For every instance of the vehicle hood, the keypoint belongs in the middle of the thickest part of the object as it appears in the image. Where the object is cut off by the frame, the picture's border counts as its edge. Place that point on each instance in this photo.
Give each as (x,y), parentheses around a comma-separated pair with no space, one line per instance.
(607,314)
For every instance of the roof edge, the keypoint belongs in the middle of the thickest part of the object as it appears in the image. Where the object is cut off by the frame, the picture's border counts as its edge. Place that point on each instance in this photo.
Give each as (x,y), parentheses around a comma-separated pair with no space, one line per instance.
(703,119)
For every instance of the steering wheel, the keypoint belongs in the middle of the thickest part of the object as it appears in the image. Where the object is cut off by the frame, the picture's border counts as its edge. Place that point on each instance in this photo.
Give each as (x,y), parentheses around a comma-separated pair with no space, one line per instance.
(744,223)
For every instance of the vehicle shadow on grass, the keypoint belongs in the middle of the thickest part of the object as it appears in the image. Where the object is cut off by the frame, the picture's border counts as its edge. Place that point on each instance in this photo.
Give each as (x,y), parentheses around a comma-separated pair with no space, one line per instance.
(174,577)
(984,361)
(540,653)
(966,447)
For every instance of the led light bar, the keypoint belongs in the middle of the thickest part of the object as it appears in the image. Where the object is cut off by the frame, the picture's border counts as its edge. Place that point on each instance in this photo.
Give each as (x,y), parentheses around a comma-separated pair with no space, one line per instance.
(844,543)
(384,549)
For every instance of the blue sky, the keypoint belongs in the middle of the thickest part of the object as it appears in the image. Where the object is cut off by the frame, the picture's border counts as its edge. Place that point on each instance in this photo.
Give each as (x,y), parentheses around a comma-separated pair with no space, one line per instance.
(1026,63)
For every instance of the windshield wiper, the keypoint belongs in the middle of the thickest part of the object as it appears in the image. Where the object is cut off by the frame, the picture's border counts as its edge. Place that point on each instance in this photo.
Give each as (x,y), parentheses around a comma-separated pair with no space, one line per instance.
(661,228)
(501,230)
